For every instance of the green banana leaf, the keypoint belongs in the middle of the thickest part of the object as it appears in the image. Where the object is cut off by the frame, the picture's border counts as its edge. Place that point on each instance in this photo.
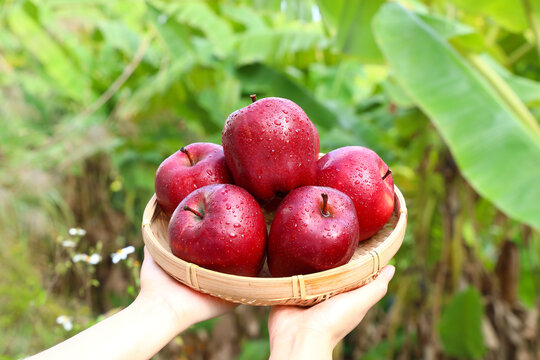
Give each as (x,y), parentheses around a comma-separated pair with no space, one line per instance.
(460,326)
(509,14)
(497,150)
(350,21)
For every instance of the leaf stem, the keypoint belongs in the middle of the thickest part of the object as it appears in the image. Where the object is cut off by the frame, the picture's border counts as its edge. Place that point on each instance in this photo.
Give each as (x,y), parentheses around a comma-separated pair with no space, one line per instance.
(506,94)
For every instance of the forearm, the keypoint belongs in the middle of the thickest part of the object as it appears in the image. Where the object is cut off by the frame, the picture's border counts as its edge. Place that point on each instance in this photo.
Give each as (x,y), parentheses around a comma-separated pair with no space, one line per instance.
(310,346)
(137,332)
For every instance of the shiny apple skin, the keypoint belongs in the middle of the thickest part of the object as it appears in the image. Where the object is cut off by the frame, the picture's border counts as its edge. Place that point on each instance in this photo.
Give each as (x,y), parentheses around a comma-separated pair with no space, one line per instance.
(176,178)
(271,147)
(230,238)
(358,172)
(303,241)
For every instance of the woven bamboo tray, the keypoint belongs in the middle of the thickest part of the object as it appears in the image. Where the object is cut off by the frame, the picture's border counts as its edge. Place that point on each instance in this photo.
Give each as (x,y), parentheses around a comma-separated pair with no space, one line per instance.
(304,290)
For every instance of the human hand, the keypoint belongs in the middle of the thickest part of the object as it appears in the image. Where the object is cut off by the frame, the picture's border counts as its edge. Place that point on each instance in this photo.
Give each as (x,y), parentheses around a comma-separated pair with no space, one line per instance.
(185,304)
(312,333)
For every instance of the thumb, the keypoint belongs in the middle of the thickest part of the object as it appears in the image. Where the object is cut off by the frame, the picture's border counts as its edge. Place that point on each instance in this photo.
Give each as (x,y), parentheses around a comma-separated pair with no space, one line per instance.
(356,303)
(369,294)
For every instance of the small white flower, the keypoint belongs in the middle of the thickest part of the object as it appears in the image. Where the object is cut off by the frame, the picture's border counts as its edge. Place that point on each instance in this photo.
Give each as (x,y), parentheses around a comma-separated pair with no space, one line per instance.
(65,321)
(92,259)
(80,257)
(77,232)
(121,254)
(68,243)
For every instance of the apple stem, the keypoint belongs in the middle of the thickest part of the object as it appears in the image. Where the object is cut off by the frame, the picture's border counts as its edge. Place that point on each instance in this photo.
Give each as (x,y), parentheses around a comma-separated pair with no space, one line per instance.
(253,97)
(388,172)
(324,210)
(184,150)
(193,211)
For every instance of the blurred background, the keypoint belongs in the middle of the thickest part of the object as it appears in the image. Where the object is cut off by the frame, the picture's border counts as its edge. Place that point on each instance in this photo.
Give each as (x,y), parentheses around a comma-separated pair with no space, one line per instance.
(95,94)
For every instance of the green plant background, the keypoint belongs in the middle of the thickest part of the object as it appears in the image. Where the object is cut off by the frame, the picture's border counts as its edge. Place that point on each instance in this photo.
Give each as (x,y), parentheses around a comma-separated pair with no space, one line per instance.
(95,94)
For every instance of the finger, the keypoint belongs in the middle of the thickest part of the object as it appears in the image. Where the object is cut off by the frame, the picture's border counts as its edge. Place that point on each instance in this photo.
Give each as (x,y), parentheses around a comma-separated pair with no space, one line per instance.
(149,266)
(279,311)
(353,305)
(281,308)
(147,254)
(369,294)
(148,259)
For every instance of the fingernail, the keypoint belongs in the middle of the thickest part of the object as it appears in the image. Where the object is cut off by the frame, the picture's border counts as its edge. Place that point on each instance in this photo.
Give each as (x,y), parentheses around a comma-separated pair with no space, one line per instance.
(388,272)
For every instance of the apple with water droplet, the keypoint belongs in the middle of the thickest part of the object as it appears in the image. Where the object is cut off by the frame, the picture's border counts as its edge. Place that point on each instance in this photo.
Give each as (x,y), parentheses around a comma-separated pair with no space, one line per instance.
(361,174)
(315,228)
(190,168)
(271,147)
(220,227)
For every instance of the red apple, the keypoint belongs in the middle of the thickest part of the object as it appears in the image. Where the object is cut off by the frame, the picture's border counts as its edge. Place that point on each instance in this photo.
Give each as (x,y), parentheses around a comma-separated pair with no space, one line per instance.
(271,147)
(360,173)
(315,228)
(189,168)
(220,227)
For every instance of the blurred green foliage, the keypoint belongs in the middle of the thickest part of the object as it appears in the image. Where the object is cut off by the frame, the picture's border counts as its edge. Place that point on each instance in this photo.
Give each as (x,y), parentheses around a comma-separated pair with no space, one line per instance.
(465,340)
(95,94)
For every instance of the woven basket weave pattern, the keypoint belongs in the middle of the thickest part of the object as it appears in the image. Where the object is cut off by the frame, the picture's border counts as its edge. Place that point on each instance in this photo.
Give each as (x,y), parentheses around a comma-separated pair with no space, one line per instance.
(304,290)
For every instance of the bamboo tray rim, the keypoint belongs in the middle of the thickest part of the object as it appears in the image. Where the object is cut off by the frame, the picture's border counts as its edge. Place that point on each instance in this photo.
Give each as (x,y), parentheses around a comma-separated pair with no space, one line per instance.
(150,211)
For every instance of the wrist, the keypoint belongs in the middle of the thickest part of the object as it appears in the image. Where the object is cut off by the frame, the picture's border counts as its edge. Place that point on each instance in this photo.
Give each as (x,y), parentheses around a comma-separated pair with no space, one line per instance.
(303,345)
(159,309)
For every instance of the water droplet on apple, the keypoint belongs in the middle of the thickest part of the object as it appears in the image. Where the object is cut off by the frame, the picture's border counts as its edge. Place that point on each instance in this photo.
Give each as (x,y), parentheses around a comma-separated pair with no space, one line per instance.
(236,225)
(285,111)
(228,206)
